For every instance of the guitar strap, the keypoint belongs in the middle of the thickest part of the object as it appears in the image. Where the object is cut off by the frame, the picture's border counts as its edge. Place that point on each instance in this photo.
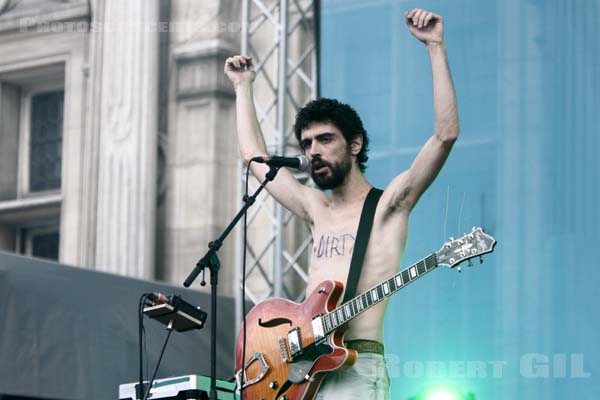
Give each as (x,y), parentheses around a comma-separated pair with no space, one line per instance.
(361,242)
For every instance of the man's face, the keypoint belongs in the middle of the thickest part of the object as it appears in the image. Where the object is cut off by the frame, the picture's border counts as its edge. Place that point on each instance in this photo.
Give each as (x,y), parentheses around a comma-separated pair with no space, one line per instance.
(329,154)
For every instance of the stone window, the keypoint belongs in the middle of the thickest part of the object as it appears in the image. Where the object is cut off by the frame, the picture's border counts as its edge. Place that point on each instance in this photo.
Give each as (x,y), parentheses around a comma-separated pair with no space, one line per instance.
(31,122)
(45,149)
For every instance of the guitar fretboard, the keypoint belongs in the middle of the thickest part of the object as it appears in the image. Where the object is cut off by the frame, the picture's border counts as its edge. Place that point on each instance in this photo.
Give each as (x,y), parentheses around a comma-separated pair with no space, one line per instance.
(377,294)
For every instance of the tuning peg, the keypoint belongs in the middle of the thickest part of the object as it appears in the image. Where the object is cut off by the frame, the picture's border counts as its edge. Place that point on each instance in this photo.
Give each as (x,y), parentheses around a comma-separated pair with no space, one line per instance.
(451,238)
(474,229)
(480,259)
(469,263)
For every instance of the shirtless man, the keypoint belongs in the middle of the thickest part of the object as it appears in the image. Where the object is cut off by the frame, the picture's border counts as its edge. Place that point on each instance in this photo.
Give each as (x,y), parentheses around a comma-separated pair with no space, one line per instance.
(337,153)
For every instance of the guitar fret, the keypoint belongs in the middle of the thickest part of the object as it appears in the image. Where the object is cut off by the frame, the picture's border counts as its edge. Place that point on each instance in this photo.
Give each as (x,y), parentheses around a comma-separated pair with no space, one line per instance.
(431,262)
(413,272)
(405,277)
(398,281)
(386,288)
(374,295)
(380,292)
(421,267)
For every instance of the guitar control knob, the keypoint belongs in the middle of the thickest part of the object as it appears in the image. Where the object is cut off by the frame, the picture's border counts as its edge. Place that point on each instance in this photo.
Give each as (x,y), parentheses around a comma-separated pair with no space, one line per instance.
(283,398)
(321,290)
(273,384)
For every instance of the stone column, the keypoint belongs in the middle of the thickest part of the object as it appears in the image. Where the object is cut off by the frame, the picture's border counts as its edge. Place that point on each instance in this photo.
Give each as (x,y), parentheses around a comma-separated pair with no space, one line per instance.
(201,155)
(127,137)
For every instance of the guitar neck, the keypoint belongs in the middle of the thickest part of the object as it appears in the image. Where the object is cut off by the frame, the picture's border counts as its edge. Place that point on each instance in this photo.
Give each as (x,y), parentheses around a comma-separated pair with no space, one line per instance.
(377,294)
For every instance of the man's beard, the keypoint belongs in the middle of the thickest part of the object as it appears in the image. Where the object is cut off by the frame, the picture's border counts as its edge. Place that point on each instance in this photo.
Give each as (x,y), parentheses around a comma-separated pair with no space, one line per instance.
(339,171)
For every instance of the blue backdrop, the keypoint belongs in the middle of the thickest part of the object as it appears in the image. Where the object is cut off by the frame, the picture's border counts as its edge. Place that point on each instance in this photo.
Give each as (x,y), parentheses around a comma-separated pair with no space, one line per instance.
(523,325)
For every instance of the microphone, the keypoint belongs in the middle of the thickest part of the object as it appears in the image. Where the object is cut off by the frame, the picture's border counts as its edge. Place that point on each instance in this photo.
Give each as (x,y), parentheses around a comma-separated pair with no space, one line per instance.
(159,298)
(298,162)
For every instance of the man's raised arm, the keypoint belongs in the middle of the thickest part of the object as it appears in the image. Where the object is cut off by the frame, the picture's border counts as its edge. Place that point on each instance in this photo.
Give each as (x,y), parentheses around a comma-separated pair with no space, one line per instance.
(285,188)
(408,187)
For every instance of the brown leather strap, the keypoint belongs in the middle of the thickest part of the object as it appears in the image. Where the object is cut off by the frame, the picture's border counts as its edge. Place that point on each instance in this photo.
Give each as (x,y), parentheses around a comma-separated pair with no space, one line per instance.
(365,346)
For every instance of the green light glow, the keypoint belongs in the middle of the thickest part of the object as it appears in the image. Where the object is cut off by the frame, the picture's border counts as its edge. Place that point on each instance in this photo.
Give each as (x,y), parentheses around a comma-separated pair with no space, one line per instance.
(442,392)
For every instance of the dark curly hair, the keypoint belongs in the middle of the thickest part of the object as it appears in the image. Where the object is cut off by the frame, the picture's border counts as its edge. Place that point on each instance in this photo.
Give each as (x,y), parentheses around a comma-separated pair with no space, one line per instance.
(344,117)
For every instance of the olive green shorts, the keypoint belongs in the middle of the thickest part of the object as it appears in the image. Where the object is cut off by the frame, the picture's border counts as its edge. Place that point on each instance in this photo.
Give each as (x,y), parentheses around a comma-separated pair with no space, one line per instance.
(367,379)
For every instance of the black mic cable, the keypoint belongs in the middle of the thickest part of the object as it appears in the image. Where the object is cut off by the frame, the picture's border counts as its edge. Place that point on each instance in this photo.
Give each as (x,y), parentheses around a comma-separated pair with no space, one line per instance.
(245,231)
(139,392)
(162,352)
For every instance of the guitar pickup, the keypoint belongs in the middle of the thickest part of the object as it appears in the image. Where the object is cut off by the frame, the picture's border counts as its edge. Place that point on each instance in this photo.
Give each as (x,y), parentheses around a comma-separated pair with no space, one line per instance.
(295,342)
(318,330)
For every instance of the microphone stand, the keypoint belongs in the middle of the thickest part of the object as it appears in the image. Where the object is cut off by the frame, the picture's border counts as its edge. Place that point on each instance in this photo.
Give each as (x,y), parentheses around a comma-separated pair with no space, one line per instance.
(211,261)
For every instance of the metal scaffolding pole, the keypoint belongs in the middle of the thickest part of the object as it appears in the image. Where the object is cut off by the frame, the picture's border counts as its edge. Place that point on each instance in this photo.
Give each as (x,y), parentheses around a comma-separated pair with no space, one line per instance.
(281,37)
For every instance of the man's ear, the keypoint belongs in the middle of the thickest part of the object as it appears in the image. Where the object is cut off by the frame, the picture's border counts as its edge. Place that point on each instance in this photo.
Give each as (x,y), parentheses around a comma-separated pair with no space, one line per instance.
(356,145)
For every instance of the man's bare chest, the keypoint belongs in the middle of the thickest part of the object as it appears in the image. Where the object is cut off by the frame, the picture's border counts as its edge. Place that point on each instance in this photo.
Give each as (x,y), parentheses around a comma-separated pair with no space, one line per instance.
(334,236)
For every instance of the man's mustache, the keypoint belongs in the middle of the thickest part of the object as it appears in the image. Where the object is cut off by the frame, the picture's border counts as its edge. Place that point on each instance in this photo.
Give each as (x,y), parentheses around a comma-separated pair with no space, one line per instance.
(319,163)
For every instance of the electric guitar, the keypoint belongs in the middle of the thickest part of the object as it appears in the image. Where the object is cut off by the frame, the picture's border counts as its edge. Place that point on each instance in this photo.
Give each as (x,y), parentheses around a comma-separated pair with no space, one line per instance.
(291,346)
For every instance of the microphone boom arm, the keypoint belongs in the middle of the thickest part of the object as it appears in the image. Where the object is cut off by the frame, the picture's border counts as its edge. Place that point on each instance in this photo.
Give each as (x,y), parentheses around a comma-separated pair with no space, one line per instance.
(210,258)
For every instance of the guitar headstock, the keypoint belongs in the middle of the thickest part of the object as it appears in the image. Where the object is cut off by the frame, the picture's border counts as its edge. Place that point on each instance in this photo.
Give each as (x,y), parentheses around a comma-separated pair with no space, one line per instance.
(469,246)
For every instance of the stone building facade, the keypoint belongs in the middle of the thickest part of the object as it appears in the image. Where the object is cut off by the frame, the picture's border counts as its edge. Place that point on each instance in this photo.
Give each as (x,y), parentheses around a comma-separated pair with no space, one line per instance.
(117,149)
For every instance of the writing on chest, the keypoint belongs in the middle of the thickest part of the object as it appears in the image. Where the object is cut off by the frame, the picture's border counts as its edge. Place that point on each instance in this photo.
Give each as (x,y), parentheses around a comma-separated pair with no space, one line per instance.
(333,245)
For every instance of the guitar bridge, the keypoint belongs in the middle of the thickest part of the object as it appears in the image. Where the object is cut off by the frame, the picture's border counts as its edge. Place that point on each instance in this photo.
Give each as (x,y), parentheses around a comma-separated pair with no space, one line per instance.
(285,357)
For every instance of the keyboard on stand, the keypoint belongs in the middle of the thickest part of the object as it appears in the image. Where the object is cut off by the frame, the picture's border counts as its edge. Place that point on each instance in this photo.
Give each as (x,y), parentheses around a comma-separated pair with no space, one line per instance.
(187,387)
